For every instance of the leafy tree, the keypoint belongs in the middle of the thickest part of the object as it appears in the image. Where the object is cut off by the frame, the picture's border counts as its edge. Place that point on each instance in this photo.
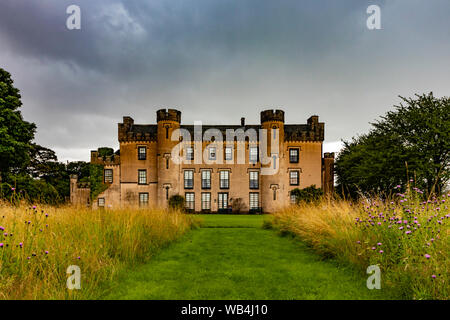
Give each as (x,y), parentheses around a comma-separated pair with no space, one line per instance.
(30,171)
(16,134)
(105,152)
(95,179)
(411,142)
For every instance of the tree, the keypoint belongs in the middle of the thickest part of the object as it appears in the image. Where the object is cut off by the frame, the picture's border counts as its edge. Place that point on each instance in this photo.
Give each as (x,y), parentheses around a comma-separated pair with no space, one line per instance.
(16,134)
(411,142)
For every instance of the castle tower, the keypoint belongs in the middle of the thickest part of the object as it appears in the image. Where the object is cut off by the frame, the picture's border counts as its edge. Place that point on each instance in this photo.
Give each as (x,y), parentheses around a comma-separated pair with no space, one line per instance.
(168,172)
(271,186)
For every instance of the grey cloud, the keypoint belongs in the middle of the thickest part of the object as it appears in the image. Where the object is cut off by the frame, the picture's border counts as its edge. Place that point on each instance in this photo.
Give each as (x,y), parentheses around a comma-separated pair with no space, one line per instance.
(217,61)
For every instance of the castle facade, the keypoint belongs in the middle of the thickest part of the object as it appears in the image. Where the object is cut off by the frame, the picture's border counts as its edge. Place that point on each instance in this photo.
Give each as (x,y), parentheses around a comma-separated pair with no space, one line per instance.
(225,168)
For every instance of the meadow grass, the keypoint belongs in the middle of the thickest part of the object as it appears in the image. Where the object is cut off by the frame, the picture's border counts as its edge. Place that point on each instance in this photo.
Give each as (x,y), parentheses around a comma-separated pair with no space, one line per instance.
(233,257)
(406,237)
(38,244)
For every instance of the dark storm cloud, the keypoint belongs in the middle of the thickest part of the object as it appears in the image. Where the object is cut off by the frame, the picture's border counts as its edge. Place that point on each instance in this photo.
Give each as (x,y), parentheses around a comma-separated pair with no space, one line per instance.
(217,61)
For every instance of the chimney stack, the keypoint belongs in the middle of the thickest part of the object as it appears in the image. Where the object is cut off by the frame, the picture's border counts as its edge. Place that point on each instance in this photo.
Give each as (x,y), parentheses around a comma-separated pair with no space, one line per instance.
(242,122)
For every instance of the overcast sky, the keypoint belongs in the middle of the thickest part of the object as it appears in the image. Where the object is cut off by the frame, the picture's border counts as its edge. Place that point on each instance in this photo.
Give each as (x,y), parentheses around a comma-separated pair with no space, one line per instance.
(218,61)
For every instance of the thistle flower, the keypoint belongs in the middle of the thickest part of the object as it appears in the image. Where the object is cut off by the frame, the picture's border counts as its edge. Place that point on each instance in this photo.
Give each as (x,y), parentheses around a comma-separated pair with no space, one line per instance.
(427,256)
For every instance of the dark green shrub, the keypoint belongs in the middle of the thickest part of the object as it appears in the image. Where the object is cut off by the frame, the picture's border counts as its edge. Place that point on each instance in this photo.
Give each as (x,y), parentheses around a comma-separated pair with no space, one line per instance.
(309,194)
(176,202)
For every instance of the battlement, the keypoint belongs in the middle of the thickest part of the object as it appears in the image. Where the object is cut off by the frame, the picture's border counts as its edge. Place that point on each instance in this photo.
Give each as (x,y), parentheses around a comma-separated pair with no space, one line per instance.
(168,115)
(99,157)
(328,155)
(272,115)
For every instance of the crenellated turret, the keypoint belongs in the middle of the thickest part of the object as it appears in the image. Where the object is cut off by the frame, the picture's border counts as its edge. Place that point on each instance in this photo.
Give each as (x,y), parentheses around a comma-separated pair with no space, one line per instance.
(272,115)
(168,115)
(168,171)
(270,182)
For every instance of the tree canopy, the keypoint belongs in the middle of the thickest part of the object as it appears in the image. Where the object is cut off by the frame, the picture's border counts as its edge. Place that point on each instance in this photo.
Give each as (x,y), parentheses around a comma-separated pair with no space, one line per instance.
(412,142)
(16,134)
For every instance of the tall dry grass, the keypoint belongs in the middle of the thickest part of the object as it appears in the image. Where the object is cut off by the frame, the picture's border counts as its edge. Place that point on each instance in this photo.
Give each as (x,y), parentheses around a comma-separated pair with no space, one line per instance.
(37,244)
(406,237)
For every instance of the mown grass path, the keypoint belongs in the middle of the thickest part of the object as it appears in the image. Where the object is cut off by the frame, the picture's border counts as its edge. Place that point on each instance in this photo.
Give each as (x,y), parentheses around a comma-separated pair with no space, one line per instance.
(232,257)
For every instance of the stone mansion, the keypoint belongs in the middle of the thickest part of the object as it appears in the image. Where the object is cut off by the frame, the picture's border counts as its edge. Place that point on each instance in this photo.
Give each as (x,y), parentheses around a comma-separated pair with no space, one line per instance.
(144,172)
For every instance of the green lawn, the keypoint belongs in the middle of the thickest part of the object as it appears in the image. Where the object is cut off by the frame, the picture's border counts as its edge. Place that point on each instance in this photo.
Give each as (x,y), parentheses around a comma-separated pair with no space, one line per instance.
(232,257)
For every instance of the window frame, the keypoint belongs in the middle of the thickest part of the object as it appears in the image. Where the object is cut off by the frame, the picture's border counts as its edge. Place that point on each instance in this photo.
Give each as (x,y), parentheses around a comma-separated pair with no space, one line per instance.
(219,201)
(250,158)
(297,181)
(206,186)
(140,153)
(186,184)
(230,153)
(101,205)
(189,155)
(104,176)
(227,180)
(252,186)
(204,194)
(297,157)
(139,176)
(252,201)
(192,202)
(292,198)
(143,203)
